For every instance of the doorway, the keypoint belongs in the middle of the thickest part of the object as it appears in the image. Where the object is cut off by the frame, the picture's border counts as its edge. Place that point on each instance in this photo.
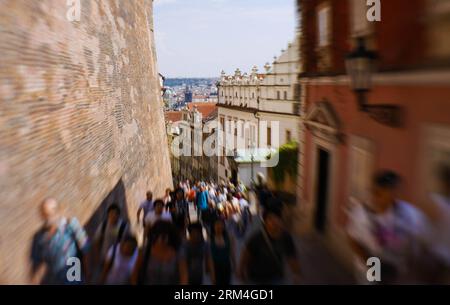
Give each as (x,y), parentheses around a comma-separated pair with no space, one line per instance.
(322,189)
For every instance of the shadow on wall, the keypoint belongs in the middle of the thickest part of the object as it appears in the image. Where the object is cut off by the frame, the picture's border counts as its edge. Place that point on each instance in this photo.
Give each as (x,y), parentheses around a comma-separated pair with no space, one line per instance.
(117,195)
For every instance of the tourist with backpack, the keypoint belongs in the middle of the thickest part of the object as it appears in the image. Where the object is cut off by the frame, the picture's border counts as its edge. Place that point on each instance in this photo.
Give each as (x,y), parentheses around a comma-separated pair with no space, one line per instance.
(57,241)
(263,193)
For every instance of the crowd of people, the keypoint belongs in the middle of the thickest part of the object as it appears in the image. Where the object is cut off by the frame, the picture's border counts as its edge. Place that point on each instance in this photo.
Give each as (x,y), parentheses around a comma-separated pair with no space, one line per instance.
(175,249)
(179,248)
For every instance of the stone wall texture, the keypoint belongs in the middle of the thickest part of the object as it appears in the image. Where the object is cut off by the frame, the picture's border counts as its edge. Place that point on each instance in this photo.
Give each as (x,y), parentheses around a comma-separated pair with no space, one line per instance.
(81,115)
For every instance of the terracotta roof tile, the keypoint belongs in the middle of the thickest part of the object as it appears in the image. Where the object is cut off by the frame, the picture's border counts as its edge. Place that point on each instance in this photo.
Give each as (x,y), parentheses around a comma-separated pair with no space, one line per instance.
(206,109)
(173,116)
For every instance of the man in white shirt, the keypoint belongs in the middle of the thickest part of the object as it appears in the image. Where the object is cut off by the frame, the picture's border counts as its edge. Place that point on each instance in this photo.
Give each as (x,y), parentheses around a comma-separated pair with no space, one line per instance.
(145,207)
(158,213)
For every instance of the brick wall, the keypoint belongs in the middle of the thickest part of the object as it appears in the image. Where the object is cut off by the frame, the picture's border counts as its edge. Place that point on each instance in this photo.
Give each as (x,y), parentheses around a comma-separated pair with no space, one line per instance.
(80,115)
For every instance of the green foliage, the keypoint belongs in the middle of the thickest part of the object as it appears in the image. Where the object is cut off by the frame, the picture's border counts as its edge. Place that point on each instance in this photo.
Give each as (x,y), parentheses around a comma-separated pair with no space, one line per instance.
(288,163)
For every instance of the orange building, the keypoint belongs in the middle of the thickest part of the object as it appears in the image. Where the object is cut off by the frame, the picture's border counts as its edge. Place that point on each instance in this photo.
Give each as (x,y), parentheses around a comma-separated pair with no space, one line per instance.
(351,126)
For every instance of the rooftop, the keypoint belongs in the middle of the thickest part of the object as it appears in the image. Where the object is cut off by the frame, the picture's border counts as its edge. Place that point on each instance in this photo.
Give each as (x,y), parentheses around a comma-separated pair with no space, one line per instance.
(173,116)
(206,109)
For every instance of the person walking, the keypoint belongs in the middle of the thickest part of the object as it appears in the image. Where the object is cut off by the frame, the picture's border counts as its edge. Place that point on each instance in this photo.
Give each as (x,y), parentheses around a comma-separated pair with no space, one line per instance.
(108,234)
(120,261)
(201,200)
(161,261)
(267,251)
(222,253)
(110,231)
(58,240)
(145,208)
(198,256)
(167,198)
(159,213)
(389,229)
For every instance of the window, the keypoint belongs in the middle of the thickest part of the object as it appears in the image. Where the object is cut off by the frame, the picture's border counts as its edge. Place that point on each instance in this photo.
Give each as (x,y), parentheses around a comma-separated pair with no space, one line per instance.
(278,95)
(323,25)
(269,136)
(253,95)
(288,136)
(236,94)
(285,95)
(252,135)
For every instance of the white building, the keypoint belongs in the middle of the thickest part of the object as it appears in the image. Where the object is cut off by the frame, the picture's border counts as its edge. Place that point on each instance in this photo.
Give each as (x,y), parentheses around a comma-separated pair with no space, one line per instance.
(258,111)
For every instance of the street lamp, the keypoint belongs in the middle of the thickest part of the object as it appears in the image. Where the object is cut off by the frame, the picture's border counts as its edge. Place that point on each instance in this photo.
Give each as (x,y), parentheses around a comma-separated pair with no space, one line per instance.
(361,64)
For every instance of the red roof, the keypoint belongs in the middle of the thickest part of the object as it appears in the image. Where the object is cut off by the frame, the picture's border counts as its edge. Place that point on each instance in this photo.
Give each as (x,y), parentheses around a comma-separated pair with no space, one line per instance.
(206,109)
(173,116)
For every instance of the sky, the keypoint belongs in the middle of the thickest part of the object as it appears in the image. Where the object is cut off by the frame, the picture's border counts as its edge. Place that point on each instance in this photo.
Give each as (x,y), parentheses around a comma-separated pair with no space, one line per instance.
(200,38)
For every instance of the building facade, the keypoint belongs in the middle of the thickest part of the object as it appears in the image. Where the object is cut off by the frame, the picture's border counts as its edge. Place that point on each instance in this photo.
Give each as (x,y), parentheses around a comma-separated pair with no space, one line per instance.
(188,130)
(404,124)
(258,111)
